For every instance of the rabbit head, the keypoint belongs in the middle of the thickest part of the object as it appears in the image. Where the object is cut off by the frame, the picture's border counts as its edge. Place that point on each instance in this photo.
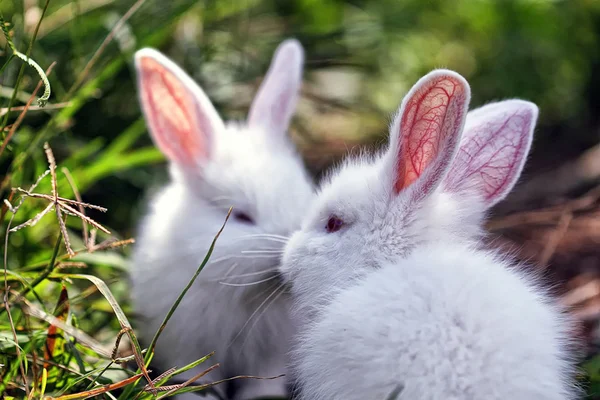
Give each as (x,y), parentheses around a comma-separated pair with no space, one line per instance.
(434,183)
(229,163)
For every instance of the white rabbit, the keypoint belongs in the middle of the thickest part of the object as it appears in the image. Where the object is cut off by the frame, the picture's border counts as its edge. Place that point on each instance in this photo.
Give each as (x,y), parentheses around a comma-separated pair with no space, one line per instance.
(237,307)
(389,279)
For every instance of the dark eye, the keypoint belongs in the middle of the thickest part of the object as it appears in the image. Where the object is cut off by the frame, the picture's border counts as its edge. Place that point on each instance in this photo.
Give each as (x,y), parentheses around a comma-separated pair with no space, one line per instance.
(334,224)
(243,217)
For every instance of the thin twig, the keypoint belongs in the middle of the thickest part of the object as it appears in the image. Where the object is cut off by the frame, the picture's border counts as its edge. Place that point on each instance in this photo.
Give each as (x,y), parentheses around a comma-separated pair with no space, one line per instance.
(61,205)
(555,238)
(192,379)
(60,199)
(211,384)
(85,218)
(108,244)
(56,106)
(57,209)
(123,331)
(34,220)
(71,181)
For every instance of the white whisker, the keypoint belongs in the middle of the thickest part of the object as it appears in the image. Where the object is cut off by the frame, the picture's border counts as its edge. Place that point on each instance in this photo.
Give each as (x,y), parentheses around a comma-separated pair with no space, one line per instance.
(261,293)
(230,270)
(266,236)
(250,283)
(249,256)
(267,239)
(268,255)
(265,271)
(262,313)
(267,251)
(221,259)
(253,314)
(221,198)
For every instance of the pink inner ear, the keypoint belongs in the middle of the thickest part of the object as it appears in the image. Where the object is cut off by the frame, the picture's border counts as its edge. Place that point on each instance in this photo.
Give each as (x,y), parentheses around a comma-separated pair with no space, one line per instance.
(280,106)
(426,124)
(491,155)
(171,114)
(276,98)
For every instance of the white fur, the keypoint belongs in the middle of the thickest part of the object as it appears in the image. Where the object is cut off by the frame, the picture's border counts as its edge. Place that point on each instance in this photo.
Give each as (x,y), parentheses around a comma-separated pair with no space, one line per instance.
(447,322)
(255,169)
(402,294)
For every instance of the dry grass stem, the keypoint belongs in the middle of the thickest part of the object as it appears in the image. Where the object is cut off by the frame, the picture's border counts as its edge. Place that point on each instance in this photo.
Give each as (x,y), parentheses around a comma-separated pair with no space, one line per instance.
(60,205)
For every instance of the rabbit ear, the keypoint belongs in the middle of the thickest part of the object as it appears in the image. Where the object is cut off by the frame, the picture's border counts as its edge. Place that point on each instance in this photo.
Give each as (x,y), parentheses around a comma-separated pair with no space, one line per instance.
(180,118)
(494,147)
(275,102)
(426,132)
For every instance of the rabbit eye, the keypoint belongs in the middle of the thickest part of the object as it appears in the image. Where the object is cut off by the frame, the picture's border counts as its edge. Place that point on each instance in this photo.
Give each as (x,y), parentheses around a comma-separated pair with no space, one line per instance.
(243,217)
(334,224)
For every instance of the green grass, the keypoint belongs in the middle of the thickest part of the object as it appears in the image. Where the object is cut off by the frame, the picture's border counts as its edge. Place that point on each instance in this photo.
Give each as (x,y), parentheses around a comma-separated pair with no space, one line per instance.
(62,268)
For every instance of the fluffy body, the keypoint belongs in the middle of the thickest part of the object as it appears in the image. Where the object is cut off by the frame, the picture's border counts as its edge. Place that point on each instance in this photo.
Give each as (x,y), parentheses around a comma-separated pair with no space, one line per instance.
(446,322)
(237,307)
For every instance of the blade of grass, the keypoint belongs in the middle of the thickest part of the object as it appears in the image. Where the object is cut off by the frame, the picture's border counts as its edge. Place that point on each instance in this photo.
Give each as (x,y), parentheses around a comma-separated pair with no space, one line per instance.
(41,277)
(100,390)
(22,70)
(76,373)
(132,10)
(64,15)
(21,116)
(123,321)
(25,283)
(97,372)
(44,99)
(53,338)
(81,336)
(17,348)
(185,290)
(396,392)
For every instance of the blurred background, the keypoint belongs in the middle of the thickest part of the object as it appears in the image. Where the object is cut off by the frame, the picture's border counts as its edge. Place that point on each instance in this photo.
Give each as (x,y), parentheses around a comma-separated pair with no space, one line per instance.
(361,58)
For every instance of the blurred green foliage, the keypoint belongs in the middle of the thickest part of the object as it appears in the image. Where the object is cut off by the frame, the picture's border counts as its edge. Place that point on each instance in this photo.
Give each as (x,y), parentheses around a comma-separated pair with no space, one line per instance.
(363,55)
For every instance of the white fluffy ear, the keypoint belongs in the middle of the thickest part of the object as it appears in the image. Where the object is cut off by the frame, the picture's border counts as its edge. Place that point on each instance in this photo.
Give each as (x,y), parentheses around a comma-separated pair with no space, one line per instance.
(277,96)
(426,132)
(181,119)
(494,147)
